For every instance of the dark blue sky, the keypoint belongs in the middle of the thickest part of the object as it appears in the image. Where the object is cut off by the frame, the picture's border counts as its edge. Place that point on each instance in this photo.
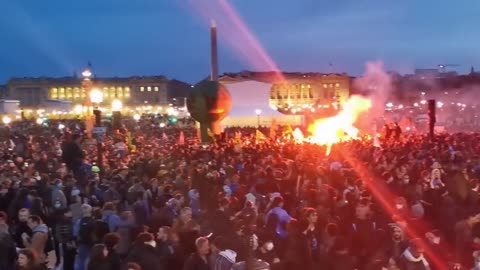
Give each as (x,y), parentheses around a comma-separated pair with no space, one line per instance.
(170,37)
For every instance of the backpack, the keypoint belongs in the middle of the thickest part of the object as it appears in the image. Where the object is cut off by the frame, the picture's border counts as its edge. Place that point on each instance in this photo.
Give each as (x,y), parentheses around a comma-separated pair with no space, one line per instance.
(86,232)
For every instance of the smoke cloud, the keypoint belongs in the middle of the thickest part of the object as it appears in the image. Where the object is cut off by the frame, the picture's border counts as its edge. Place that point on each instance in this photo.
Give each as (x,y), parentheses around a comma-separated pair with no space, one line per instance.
(376,84)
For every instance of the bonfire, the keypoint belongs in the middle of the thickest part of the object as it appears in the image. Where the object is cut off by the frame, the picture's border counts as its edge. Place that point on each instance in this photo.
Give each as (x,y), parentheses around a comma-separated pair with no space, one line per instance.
(338,128)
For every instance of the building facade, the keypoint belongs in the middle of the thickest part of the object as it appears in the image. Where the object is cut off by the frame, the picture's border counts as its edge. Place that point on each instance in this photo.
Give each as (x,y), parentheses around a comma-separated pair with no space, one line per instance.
(296,93)
(35,92)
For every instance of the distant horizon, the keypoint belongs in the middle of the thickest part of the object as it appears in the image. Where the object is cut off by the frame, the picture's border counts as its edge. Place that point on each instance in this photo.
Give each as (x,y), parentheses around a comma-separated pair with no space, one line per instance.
(78,75)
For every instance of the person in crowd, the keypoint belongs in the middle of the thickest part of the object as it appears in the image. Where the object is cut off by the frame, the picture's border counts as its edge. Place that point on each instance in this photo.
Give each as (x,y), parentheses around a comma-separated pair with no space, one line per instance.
(28,260)
(84,231)
(40,236)
(20,227)
(99,258)
(199,259)
(144,252)
(111,241)
(222,257)
(8,252)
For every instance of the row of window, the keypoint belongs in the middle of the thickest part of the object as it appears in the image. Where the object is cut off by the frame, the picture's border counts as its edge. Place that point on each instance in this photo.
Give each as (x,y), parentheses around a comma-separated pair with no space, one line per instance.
(148,88)
(300,95)
(75,93)
(303,86)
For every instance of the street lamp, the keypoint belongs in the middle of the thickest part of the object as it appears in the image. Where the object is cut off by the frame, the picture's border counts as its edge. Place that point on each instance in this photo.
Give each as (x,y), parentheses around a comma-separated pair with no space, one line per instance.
(258,112)
(6,120)
(87,86)
(116,115)
(96,97)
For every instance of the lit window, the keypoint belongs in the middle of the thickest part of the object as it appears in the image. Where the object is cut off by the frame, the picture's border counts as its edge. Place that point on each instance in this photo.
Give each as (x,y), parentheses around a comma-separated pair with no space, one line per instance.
(119,92)
(61,94)
(127,89)
(309,86)
(54,93)
(303,86)
(324,85)
(69,93)
(156,88)
(337,85)
(149,89)
(76,92)
(142,89)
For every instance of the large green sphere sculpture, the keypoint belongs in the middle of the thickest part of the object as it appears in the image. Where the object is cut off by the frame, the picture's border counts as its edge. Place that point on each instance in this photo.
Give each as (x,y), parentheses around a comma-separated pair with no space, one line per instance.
(209,103)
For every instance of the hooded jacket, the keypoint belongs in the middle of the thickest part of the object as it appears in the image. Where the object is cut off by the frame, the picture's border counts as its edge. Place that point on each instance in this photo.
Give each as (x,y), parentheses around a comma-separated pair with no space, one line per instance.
(225,260)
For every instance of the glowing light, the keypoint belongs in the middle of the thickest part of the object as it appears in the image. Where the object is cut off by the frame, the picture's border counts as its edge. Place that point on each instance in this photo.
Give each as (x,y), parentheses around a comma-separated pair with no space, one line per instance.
(136,117)
(389,105)
(400,106)
(170,111)
(117,105)
(39,121)
(61,126)
(96,96)
(78,109)
(162,125)
(423,93)
(439,104)
(298,136)
(423,102)
(339,128)
(87,73)
(415,104)
(258,111)
(6,120)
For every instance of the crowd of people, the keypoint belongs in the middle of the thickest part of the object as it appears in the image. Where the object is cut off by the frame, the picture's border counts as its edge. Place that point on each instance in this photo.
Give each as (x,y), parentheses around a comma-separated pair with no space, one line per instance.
(239,203)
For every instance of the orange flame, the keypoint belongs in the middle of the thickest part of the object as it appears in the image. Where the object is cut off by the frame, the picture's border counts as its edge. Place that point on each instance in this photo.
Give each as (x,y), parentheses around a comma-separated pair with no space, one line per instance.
(339,128)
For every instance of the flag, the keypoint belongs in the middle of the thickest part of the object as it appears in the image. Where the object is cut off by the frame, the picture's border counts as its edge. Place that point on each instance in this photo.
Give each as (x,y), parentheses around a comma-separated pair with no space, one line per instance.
(181,139)
(273,129)
(259,136)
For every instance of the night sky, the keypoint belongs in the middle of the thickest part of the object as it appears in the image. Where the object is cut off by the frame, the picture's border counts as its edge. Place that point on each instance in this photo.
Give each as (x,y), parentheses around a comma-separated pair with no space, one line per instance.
(170,37)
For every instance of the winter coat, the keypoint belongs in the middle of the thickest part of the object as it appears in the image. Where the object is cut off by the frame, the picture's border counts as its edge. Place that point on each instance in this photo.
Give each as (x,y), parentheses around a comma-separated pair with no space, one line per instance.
(8,252)
(145,256)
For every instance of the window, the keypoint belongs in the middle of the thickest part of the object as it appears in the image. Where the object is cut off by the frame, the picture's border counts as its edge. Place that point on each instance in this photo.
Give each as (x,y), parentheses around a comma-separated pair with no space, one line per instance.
(330,85)
(76,92)
(156,88)
(119,92)
(324,85)
(337,85)
(54,93)
(61,94)
(142,89)
(149,89)
(127,92)
(69,93)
